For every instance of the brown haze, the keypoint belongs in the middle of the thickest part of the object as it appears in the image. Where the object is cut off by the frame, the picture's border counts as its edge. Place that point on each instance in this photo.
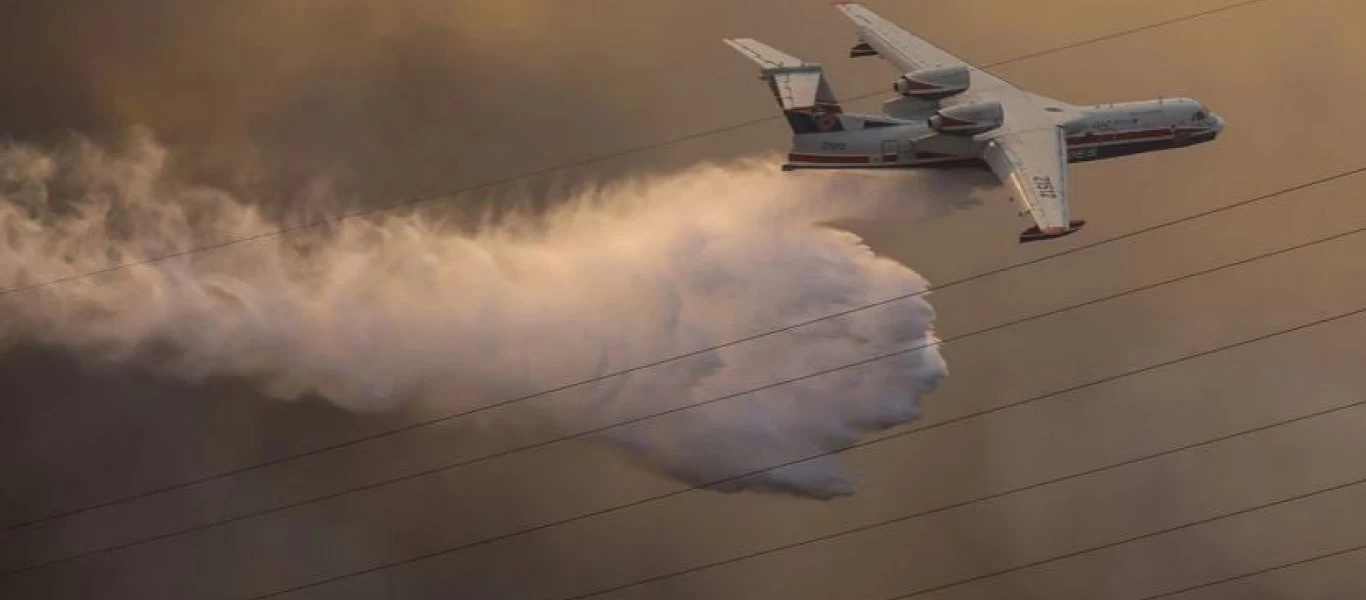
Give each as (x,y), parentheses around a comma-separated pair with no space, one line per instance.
(404,97)
(371,93)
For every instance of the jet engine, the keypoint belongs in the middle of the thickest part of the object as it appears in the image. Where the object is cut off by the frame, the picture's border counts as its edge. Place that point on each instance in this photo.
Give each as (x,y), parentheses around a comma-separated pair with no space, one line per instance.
(968,119)
(933,84)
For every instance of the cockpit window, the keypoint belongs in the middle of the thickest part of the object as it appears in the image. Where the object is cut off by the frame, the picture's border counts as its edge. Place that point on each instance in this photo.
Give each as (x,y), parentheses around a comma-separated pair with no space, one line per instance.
(1201,115)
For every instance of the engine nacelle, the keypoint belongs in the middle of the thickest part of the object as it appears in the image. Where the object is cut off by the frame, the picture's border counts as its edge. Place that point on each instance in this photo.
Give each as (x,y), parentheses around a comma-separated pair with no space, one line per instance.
(969,119)
(933,84)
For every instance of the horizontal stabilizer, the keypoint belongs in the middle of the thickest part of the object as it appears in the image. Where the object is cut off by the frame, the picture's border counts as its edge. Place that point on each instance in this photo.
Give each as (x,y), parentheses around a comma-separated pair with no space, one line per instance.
(799,87)
(768,57)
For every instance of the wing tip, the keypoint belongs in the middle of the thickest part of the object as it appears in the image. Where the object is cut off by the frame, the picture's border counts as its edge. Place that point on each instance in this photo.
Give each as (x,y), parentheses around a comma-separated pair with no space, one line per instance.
(1034,234)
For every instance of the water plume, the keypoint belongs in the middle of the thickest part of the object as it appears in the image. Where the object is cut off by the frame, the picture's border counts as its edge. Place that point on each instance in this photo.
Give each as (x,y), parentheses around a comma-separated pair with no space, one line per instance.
(373,313)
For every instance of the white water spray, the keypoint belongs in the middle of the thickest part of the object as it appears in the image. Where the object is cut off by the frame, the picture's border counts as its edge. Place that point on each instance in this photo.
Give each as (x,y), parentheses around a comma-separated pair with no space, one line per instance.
(371,313)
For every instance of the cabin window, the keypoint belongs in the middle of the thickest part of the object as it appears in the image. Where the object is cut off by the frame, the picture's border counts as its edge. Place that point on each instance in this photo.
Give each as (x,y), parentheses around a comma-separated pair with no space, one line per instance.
(1200,115)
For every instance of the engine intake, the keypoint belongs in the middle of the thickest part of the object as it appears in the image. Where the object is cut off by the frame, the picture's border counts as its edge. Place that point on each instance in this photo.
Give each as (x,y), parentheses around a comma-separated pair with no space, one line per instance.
(968,119)
(933,84)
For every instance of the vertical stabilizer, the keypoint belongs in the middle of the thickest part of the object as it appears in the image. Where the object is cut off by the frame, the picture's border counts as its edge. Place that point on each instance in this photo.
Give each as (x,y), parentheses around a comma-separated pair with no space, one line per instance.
(799,87)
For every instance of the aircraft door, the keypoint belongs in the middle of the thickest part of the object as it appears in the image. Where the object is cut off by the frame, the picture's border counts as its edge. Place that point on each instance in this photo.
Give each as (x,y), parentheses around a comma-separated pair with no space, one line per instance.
(891,152)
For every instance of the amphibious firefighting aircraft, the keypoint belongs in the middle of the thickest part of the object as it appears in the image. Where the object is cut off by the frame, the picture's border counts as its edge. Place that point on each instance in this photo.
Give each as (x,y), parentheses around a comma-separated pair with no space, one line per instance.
(949,112)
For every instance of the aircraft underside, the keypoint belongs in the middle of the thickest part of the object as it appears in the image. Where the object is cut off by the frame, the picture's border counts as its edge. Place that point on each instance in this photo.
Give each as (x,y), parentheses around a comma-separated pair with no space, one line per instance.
(1079,149)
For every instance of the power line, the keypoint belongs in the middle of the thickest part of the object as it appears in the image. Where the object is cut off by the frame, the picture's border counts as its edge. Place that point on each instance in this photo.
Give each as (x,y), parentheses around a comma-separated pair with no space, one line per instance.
(969,502)
(1251,574)
(1136,538)
(601,429)
(1107,37)
(660,362)
(997,409)
(584,162)
(674,358)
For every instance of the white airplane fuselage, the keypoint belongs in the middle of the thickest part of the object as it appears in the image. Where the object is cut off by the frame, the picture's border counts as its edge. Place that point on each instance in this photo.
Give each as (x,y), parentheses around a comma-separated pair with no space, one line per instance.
(947,113)
(906,139)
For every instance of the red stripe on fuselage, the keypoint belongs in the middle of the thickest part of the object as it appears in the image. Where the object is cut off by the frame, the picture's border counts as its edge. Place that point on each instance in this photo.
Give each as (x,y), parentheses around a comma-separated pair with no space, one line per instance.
(827,158)
(1127,136)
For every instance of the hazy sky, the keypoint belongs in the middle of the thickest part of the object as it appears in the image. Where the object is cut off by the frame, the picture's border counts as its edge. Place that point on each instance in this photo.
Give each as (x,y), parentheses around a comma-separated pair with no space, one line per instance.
(386,100)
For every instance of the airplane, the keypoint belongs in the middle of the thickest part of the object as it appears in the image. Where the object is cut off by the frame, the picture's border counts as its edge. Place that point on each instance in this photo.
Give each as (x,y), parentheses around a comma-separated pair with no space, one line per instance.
(948,112)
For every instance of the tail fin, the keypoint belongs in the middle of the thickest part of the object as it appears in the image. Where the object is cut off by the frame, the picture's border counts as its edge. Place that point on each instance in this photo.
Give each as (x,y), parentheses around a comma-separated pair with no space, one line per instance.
(799,87)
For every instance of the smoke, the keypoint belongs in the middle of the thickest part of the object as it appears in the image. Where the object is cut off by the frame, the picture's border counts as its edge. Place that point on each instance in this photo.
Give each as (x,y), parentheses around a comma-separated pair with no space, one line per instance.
(265,95)
(374,313)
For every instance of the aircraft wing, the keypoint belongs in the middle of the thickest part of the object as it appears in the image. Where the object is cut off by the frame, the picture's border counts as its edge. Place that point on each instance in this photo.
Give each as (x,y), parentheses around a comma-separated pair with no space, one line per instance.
(1028,152)
(909,52)
(1032,164)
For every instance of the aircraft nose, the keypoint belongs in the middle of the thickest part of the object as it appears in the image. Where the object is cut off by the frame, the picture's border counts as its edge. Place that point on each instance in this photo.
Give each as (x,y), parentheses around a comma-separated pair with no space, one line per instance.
(1218,124)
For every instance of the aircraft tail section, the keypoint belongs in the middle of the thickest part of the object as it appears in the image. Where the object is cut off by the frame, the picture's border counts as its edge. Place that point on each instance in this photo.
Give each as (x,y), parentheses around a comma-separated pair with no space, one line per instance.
(799,87)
